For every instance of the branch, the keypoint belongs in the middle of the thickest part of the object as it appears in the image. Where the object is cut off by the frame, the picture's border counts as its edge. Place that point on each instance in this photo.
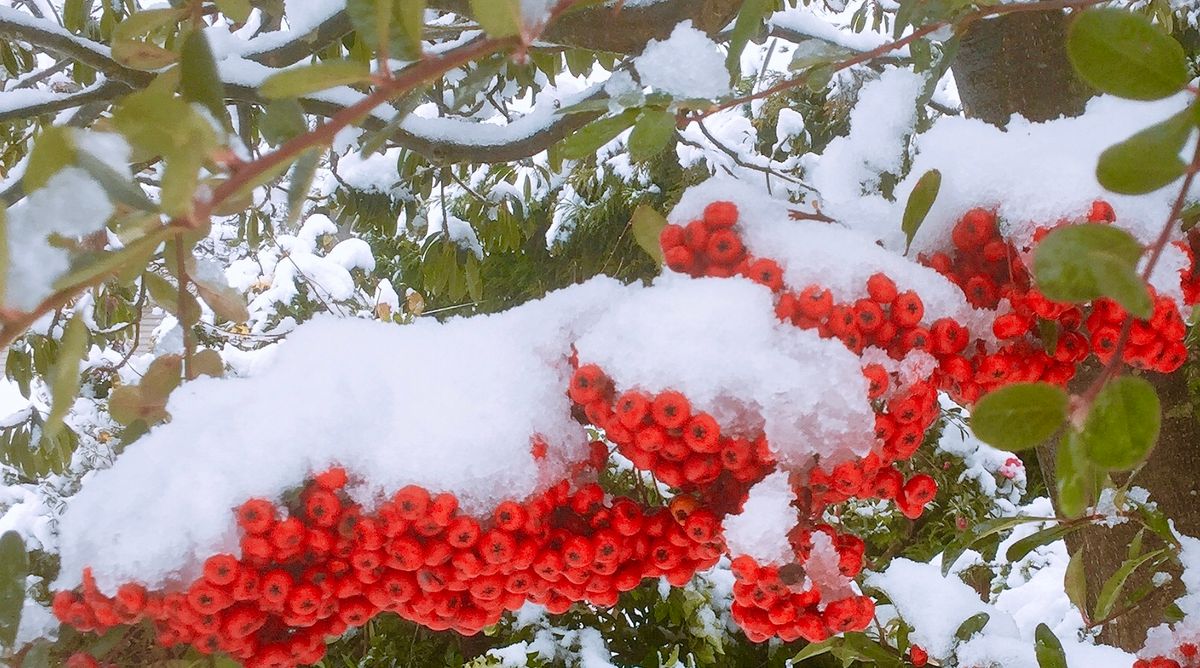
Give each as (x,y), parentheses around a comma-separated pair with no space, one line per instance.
(104,91)
(47,35)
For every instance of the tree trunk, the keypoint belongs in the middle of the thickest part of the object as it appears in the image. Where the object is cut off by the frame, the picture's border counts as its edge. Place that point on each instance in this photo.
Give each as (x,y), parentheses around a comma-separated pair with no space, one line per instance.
(1017,64)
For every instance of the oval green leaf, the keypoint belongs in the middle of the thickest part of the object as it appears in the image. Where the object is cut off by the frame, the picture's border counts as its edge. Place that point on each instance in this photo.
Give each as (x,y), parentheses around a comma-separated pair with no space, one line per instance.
(919,202)
(1079,263)
(1124,54)
(312,78)
(1019,416)
(1123,425)
(1148,160)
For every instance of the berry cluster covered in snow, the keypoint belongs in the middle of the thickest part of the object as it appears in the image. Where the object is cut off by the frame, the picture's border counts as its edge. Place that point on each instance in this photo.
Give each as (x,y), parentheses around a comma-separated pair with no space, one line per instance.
(705,380)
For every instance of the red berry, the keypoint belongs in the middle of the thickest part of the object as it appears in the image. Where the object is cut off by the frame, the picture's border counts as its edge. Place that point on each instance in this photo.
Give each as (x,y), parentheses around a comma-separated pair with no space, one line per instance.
(721,214)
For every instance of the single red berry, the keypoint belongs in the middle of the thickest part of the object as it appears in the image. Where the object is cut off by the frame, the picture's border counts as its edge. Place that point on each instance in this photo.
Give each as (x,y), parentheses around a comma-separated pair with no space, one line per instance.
(721,215)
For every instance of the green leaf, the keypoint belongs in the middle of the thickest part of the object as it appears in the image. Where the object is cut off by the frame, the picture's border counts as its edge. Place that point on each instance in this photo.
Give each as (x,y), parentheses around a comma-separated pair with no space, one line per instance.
(208,363)
(53,150)
(141,55)
(978,532)
(1075,582)
(300,181)
(394,23)
(919,202)
(14,568)
(236,10)
(65,376)
(74,16)
(647,225)
(1047,648)
(4,260)
(109,262)
(499,18)
(1122,425)
(281,121)
(312,78)
(161,378)
(654,128)
(1075,477)
(972,625)
(1124,54)
(588,139)
(1148,160)
(1112,588)
(1079,263)
(749,21)
(412,23)
(199,81)
(227,303)
(1024,546)
(117,187)
(146,21)
(1019,416)
(815,649)
(167,295)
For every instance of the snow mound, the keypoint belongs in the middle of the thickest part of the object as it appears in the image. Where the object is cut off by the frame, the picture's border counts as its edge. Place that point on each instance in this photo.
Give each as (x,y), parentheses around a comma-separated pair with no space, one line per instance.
(760,530)
(686,65)
(718,342)
(449,406)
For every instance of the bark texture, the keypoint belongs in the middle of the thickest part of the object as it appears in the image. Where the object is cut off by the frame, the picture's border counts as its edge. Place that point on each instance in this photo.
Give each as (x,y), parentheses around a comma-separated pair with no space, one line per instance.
(1017,64)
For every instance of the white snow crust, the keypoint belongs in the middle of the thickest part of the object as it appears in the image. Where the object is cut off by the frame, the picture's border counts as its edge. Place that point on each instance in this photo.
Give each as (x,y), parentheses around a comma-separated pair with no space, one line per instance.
(451,407)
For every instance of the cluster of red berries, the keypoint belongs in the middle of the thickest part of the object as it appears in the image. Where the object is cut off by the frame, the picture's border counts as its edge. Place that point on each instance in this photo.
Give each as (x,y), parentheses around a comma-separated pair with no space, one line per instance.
(886,318)
(1188,651)
(990,271)
(661,434)
(330,565)
(770,601)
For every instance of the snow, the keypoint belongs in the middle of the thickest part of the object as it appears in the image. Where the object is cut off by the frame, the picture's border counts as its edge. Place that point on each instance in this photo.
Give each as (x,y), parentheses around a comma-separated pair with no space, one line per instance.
(686,65)
(748,370)
(71,204)
(913,586)
(450,406)
(760,529)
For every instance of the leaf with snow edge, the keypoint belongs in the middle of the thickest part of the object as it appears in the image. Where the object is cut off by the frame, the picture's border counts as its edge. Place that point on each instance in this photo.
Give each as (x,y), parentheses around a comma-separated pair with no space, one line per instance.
(1047,648)
(163,375)
(1107,599)
(53,150)
(1079,263)
(1124,54)
(237,10)
(320,76)
(749,22)
(1122,426)
(979,532)
(228,304)
(859,647)
(105,263)
(14,568)
(647,226)
(199,81)
(651,133)
(1024,546)
(146,21)
(282,120)
(119,188)
(65,378)
(920,201)
(1148,160)
(1019,416)
(972,625)
(588,139)
(209,363)
(1075,582)
(498,18)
